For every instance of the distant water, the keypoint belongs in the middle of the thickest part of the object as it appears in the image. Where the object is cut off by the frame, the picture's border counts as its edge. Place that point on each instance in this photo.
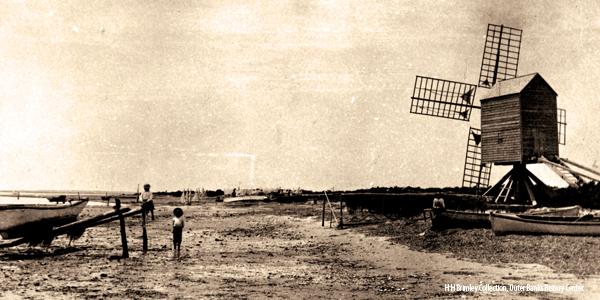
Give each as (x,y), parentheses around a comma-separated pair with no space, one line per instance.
(25,200)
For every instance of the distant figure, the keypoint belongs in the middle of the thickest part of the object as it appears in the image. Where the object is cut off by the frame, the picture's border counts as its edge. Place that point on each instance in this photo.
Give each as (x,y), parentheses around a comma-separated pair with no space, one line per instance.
(438,205)
(233,193)
(178,224)
(147,202)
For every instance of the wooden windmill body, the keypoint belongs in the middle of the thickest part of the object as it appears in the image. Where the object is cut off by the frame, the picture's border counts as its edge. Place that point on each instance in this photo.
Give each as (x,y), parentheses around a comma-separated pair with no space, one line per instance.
(519,127)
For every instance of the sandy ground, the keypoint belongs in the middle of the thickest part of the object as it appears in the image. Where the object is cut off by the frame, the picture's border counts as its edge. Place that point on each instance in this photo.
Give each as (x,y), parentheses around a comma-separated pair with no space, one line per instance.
(252,252)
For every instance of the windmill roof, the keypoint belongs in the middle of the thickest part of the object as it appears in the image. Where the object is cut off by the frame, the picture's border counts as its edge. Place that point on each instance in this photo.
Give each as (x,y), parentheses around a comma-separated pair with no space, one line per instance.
(513,86)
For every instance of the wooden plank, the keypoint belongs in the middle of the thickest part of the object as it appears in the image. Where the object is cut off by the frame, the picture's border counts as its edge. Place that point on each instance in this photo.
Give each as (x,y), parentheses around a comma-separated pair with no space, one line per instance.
(87,222)
(15,242)
(114,218)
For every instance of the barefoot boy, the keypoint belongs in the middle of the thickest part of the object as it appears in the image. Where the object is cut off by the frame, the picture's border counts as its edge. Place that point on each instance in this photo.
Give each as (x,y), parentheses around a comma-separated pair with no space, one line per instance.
(178,224)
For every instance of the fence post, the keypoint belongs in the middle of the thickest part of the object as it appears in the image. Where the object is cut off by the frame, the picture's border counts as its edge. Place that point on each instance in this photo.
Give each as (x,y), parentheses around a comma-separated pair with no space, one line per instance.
(144,233)
(323,222)
(123,233)
(341,225)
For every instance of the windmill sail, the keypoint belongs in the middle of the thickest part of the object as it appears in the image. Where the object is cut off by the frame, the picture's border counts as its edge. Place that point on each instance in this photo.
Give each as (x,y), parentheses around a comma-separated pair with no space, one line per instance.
(443,98)
(562,126)
(500,55)
(476,173)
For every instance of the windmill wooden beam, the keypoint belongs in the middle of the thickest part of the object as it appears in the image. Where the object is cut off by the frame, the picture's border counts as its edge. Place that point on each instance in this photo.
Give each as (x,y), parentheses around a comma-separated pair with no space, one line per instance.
(580,166)
(522,187)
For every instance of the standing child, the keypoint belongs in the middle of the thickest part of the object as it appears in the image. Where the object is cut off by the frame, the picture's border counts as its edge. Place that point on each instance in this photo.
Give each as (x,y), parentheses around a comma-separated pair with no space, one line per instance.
(147,202)
(178,224)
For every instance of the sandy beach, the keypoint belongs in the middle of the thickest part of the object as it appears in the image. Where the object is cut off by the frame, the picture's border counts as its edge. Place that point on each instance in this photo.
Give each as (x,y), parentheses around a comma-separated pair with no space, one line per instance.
(258,251)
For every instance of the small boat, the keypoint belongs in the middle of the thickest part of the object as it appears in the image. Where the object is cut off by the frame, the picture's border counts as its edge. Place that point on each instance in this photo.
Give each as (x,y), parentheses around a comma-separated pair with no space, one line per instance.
(463,219)
(510,223)
(460,219)
(569,211)
(18,220)
(245,198)
(584,218)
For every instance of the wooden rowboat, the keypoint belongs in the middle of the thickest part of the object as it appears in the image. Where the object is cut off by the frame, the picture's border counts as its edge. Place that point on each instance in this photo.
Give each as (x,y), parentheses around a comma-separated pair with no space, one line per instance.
(19,220)
(584,218)
(569,211)
(464,219)
(460,219)
(510,223)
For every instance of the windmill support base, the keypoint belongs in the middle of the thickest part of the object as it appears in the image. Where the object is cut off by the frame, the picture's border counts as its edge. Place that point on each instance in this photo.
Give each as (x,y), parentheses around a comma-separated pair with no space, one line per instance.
(520,186)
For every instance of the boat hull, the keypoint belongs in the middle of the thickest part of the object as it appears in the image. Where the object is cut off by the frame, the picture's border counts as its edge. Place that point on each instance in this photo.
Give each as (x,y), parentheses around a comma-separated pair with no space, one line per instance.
(512,224)
(18,220)
(569,211)
(464,219)
(460,219)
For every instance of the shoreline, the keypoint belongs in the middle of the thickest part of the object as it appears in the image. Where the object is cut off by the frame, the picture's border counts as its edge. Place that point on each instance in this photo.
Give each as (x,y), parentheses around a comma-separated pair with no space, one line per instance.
(266,250)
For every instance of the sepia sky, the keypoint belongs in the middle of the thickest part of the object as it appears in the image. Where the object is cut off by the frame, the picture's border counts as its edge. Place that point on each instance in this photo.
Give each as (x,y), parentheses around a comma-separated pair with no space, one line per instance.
(103,95)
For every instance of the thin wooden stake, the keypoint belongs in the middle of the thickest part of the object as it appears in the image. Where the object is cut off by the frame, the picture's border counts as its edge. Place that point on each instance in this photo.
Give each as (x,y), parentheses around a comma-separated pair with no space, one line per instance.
(323,222)
(341,224)
(331,207)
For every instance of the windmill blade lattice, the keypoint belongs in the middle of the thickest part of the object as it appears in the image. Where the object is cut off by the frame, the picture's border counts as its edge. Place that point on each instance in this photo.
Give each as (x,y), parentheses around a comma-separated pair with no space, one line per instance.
(562,126)
(476,174)
(443,98)
(500,55)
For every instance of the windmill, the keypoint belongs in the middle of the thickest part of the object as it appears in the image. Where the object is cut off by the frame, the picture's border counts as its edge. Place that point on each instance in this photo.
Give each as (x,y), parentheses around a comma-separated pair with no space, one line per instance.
(503,108)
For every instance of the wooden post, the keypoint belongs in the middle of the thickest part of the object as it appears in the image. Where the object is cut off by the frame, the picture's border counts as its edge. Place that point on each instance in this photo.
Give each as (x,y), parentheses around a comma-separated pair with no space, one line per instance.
(341,225)
(144,234)
(123,233)
(152,211)
(323,222)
